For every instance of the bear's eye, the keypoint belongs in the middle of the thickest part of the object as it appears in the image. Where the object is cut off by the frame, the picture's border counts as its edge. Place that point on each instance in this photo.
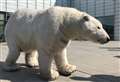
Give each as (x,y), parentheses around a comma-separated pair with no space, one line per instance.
(98,27)
(86,18)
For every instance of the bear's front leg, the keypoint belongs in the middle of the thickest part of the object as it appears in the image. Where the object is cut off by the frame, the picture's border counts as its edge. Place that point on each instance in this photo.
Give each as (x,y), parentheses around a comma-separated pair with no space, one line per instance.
(45,62)
(63,66)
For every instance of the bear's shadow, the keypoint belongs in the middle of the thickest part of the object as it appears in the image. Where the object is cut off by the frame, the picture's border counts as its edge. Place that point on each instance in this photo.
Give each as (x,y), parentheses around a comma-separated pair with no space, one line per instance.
(117,48)
(111,48)
(25,74)
(97,78)
(32,75)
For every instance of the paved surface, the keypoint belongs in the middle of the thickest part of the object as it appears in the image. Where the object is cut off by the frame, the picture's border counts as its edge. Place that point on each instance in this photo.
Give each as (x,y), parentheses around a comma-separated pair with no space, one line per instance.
(101,63)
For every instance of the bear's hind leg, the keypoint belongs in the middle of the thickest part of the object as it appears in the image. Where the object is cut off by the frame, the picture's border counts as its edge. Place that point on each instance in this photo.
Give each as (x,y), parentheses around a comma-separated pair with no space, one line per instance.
(10,63)
(45,61)
(31,58)
(63,66)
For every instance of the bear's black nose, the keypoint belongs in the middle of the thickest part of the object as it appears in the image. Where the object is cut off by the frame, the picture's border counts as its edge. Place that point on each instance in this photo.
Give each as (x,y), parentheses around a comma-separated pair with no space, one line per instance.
(108,39)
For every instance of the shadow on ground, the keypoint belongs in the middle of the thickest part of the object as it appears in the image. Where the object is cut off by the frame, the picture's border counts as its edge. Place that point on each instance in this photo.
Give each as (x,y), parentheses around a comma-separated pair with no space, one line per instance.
(111,48)
(25,74)
(97,78)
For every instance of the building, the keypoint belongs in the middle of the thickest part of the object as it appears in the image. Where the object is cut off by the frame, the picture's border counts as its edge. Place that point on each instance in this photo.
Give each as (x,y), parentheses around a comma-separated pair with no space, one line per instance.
(107,11)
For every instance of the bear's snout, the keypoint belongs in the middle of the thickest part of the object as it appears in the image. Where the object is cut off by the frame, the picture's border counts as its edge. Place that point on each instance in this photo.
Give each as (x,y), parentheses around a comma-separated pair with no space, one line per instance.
(104,40)
(107,40)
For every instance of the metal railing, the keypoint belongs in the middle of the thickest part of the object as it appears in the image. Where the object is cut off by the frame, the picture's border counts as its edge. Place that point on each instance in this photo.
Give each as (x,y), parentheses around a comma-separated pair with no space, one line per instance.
(12,5)
(4,16)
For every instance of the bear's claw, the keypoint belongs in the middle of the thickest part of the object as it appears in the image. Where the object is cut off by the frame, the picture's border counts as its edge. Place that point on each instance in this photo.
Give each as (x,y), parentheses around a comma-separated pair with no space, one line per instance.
(32,66)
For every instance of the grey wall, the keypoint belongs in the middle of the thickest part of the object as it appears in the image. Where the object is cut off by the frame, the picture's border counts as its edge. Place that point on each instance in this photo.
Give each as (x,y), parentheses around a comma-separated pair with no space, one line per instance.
(95,7)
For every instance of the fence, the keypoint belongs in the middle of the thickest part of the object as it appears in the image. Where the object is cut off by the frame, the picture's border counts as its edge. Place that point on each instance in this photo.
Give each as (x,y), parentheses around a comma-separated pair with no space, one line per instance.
(93,7)
(12,5)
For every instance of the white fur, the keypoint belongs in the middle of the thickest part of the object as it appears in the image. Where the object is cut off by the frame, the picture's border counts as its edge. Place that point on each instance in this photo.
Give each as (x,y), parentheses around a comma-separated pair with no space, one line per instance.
(49,33)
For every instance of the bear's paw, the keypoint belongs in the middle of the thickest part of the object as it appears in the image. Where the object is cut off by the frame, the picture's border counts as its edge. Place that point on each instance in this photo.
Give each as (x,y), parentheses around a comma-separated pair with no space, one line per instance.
(67,69)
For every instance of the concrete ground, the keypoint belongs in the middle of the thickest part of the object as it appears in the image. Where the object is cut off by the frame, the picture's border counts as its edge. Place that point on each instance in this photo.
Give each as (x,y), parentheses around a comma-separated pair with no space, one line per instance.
(96,63)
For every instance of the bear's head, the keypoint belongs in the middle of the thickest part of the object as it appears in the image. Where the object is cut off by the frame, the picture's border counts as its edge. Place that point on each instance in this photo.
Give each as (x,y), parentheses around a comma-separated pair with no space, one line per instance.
(86,27)
(92,30)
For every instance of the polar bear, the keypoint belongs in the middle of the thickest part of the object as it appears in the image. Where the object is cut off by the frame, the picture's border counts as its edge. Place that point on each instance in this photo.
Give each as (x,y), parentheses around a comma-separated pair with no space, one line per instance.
(48,33)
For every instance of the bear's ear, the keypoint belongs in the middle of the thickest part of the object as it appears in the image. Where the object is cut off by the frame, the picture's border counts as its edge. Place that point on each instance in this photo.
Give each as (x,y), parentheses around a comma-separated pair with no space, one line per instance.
(86,18)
